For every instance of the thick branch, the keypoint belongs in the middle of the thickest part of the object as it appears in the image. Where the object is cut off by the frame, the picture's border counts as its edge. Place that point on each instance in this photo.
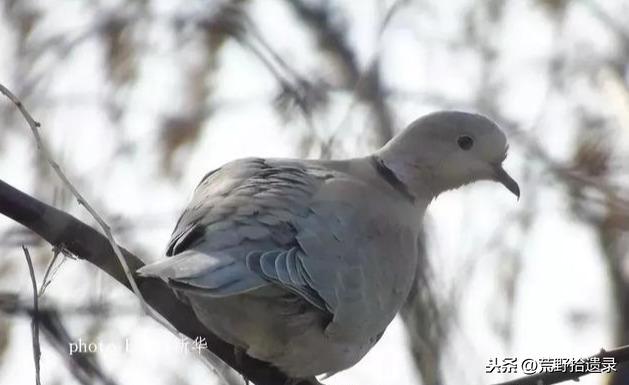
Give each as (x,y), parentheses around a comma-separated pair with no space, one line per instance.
(65,231)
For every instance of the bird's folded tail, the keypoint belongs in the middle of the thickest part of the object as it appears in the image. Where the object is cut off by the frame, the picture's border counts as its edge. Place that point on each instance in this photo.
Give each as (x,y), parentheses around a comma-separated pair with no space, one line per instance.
(214,275)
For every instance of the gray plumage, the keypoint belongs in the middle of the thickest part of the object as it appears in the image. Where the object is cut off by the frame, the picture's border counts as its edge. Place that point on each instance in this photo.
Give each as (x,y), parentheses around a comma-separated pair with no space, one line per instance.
(304,263)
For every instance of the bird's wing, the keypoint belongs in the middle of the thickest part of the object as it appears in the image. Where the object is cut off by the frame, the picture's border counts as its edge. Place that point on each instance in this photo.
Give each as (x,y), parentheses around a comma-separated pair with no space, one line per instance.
(302,227)
(246,206)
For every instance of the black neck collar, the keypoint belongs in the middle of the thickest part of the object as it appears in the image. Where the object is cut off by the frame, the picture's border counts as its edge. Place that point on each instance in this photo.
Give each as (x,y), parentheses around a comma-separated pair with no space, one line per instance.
(388,175)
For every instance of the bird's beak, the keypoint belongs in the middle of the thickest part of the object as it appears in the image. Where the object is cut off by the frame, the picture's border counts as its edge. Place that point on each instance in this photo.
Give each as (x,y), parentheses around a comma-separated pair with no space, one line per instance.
(500,175)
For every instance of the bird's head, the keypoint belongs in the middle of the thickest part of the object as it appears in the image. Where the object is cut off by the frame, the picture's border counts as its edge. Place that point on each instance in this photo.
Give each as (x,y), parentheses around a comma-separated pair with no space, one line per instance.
(446,150)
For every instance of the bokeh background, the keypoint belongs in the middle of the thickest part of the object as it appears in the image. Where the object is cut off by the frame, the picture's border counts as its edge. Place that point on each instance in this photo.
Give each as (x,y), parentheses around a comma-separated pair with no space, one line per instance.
(138,99)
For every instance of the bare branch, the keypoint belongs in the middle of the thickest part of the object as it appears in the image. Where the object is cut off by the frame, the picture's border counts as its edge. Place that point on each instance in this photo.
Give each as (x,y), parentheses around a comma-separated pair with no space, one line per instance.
(35,320)
(49,270)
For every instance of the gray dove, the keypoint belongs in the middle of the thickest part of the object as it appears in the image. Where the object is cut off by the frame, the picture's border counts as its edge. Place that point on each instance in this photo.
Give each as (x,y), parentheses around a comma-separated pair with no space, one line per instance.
(304,263)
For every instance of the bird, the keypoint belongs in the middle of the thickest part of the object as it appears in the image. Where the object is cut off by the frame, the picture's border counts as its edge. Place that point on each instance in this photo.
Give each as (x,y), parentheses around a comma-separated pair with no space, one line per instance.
(304,263)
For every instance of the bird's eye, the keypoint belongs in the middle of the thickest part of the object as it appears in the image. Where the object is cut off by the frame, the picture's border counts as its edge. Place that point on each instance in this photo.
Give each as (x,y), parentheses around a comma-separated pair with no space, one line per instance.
(465,142)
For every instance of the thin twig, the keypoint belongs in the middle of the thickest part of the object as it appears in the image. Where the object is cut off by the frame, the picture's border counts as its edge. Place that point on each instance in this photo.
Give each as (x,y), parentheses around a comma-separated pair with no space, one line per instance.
(49,271)
(35,320)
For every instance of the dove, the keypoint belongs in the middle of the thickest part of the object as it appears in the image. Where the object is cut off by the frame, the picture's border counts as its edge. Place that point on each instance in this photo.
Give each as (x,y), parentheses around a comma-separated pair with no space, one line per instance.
(304,263)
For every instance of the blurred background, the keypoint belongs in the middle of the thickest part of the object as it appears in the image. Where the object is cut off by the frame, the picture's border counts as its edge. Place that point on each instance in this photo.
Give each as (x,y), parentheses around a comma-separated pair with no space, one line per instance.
(138,99)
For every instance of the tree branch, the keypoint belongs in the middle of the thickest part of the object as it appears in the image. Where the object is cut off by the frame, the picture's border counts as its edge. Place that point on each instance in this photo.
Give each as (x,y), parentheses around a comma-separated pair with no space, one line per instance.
(35,320)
